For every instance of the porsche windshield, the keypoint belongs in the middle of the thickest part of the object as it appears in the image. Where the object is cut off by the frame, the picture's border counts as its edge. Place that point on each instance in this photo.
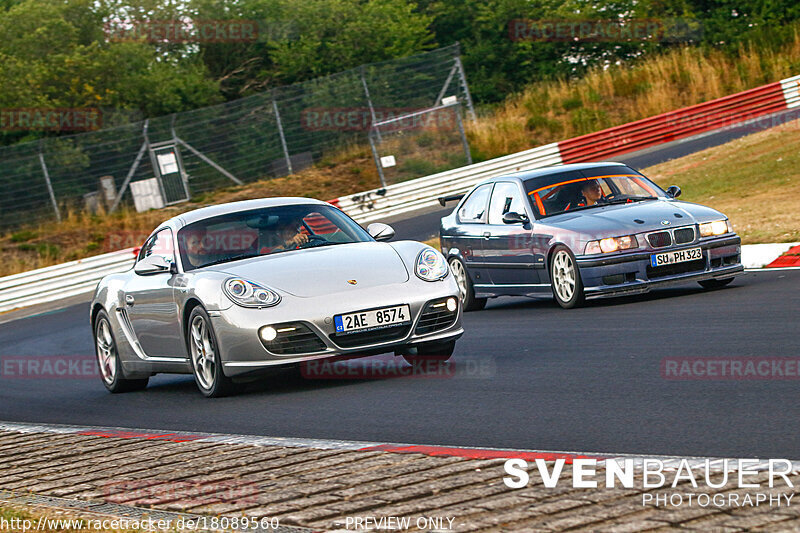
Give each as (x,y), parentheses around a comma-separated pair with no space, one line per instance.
(264,231)
(587,192)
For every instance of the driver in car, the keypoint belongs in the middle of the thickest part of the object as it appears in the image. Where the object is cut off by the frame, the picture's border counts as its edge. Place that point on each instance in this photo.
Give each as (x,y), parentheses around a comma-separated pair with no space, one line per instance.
(591,192)
(288,236)
(199,252)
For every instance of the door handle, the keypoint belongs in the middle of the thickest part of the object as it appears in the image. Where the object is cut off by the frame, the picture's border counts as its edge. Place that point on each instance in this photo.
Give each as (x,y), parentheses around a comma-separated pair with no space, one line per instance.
(129,299)
(486,234)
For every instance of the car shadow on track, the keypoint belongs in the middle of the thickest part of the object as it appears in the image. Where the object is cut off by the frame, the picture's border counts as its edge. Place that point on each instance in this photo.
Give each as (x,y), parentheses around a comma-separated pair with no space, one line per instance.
(324,376)
(511,302)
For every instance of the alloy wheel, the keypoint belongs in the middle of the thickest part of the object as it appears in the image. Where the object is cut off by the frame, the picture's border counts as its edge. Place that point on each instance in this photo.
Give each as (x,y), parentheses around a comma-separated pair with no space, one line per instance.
(203,354)
(106,352)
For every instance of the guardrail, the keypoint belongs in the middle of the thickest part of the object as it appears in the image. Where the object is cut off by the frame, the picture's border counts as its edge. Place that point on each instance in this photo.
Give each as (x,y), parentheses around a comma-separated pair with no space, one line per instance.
(725,112)
(60,281)
(77,277)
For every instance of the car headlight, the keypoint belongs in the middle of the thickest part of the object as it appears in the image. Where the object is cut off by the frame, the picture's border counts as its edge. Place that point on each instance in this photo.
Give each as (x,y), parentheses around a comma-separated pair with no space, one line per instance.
(611,244)
(431,265)
(249,294)
(717,227)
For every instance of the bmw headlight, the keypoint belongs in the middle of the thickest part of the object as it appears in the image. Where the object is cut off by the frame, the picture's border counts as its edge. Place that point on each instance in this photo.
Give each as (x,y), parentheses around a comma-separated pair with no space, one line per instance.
(431,265)
(717,227)
(249,294)
(611,244)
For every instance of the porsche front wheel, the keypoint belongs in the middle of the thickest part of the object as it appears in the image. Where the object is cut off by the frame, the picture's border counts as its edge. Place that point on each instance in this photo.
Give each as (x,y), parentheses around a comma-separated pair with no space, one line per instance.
(205,358)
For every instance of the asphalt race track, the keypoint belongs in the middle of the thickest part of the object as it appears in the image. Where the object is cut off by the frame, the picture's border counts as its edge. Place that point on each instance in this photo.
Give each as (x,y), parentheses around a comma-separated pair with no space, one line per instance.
(530,376)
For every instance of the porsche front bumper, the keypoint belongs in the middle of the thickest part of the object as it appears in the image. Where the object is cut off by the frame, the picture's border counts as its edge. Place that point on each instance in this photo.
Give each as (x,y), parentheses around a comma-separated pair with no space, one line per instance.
(242,351)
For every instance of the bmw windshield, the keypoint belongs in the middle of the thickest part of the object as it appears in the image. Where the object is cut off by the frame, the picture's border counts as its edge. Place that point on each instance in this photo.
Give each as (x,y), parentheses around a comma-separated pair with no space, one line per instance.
(593,191)
(266,231)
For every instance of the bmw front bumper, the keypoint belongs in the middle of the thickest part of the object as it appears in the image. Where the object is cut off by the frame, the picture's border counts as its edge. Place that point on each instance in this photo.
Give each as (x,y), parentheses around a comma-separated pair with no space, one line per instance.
(632,273)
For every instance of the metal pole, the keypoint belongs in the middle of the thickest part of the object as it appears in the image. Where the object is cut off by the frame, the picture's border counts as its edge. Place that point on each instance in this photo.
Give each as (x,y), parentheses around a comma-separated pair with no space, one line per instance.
(283,137)
(49,184)
(377,159)
(210,162)
(133,168)
(446,85)
(463,77)
(184,175)
(369,101)
(457,110)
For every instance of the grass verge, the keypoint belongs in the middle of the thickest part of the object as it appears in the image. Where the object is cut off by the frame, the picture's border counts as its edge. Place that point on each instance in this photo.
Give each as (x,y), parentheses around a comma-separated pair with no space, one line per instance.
(754,180)
(19,519)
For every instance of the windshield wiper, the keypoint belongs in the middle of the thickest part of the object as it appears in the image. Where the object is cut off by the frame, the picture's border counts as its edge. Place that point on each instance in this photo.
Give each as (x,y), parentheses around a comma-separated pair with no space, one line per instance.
(626,199)
(232,258)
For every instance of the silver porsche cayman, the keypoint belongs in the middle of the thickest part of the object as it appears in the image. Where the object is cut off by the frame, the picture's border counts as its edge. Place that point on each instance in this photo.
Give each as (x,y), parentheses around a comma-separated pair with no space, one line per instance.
(229,291)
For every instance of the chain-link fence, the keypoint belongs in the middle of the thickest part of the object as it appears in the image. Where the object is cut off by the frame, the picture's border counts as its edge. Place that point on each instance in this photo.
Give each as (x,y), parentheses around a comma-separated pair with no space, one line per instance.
(263,136)
(420,143)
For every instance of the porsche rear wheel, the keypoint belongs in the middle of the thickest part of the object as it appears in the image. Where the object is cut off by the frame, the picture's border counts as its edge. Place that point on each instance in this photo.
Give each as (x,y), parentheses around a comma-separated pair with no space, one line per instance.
(204,355)
(111,372)
(714,283)
(465,289)
(565,278)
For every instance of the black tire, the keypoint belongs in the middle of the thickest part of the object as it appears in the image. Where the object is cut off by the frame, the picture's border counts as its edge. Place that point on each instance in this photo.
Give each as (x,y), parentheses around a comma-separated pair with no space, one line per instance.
(109,366)
(431,353)
(465,288)
(201,343)
(714,283)
(565,278)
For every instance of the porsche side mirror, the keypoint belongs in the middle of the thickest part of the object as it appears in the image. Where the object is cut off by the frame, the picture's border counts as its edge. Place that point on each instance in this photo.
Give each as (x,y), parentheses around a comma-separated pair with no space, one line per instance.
(673,191)
(380,232)
(154,264)
(515,218)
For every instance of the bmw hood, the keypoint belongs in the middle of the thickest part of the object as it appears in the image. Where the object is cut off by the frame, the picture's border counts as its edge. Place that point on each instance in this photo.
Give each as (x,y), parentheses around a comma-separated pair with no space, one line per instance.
(325,270)
(621,219)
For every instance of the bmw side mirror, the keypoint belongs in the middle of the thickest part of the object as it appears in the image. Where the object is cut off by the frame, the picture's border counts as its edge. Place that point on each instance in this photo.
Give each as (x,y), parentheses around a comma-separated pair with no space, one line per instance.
(514,218)
(673,191)
(380,232)
(154,264)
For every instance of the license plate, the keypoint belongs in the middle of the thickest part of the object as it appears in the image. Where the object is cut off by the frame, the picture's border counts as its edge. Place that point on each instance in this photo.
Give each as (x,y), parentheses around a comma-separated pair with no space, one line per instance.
(677,256)
(372,320)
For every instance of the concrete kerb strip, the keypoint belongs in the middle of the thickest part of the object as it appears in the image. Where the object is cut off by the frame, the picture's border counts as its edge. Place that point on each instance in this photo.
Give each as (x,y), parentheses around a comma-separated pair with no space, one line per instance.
(475,453)
(327,484)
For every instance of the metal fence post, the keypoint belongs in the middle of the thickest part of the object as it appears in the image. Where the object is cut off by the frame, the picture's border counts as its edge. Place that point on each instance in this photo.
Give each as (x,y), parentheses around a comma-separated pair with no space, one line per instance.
(369,100)
(283,137)
(463,78)
(49,184)
(457,110)
(446,85)
(133,168)
(377,158)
